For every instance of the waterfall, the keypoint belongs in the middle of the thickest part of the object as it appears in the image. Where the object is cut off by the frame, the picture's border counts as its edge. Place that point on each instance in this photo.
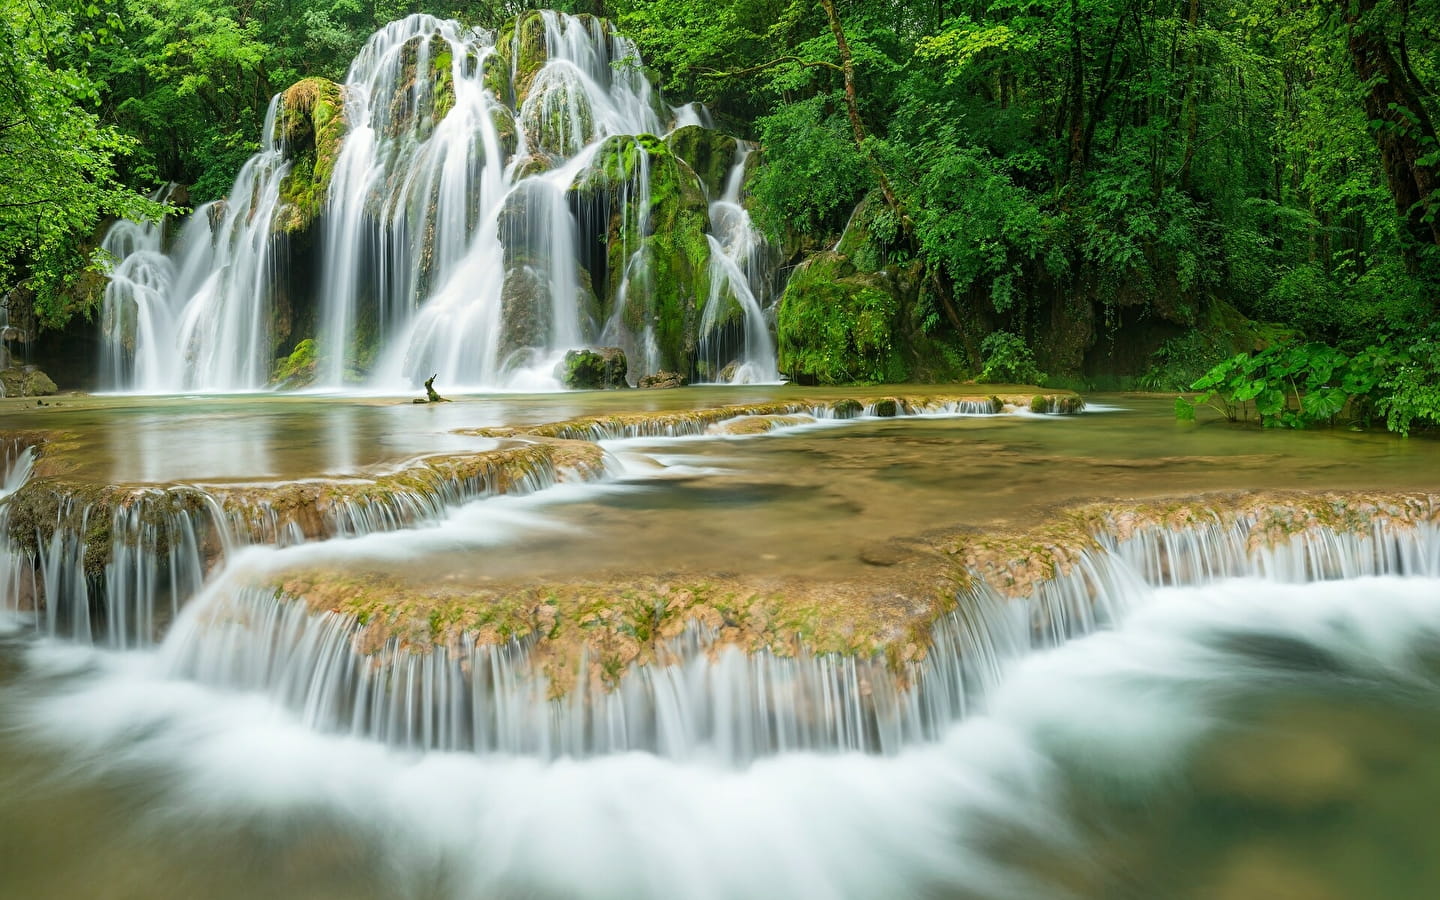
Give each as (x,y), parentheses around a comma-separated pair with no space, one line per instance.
(706,700)
(741,268)
(197,319)
(428,225)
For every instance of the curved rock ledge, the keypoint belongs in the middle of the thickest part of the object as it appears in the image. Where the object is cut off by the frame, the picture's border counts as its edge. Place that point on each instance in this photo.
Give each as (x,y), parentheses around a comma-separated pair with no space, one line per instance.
(113,551)
(657,665)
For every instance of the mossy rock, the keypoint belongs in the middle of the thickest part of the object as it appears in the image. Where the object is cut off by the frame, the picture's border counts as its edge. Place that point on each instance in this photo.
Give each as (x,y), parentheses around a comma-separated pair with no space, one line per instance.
(312,127)
(554,95)
(837,325)
(710,153)
(593,369)
(526,51)
(506,130)
(298,370)
(26,381)
(669,290)
(661,381)
(847,408)
(887,408)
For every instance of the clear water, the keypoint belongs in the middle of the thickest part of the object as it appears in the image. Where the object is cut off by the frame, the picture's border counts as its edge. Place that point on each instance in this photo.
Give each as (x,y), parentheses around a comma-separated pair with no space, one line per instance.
(1245,739)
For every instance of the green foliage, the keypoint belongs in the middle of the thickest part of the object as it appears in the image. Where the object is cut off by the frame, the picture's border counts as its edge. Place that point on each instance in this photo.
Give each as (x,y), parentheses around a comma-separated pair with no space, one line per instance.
(1301,385)
(1007,360)
(57,178)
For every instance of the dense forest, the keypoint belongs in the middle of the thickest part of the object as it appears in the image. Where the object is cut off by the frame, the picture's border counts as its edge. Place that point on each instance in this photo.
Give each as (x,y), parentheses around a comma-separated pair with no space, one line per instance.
(1239,195)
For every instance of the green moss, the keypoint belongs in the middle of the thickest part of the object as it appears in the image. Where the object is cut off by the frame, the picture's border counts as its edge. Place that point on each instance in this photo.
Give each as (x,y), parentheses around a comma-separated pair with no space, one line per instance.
(836,325)
(313,128)
(527,52)
(299,368)
(708,152)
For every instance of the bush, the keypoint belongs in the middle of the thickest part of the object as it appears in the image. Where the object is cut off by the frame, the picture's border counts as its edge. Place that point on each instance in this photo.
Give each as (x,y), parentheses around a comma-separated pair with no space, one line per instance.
(1007,360)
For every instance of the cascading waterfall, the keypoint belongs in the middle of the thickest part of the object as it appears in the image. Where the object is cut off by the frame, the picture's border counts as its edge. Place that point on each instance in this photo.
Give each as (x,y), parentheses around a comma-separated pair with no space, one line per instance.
(740,267)
(198,318)
(704,700)
(446,239)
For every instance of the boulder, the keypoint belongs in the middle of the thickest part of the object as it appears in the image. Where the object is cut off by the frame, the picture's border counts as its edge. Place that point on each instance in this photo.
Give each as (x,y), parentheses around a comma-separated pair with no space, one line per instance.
(662,380)
(26,381)
(593,369)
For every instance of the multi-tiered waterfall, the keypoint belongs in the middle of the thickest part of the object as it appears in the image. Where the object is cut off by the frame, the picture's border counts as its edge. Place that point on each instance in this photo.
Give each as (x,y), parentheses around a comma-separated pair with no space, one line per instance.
(466,204)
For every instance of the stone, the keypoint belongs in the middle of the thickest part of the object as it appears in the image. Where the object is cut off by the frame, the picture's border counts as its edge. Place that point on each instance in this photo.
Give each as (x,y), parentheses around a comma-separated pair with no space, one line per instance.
(26,381)
(662,380)
(601,368)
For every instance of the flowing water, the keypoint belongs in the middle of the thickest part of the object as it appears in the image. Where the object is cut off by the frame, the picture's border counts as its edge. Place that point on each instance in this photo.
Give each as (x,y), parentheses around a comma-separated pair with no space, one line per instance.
(1199,717)
(450,241)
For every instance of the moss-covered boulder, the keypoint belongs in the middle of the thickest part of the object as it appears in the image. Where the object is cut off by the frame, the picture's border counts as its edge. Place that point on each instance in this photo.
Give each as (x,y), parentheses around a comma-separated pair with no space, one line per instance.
(593,369)
(297,370)
(837,324)
(863,311)
(312,127)
(710,153)
(25,381)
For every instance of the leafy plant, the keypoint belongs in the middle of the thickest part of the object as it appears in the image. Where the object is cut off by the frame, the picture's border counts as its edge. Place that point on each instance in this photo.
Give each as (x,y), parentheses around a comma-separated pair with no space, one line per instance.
(1008,360)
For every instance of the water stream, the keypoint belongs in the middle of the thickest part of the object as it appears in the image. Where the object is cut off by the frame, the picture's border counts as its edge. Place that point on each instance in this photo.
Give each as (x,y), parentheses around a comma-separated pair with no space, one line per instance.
(1194,711)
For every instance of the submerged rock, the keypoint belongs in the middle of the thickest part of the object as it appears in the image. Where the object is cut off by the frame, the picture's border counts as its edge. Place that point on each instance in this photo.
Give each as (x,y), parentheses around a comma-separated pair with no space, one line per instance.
(25,381)
(593,369)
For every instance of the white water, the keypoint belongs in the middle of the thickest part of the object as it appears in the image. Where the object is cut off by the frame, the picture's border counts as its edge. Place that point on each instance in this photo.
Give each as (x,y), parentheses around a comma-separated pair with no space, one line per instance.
(419,269)
(740,270)
(1127,706)
(197,318)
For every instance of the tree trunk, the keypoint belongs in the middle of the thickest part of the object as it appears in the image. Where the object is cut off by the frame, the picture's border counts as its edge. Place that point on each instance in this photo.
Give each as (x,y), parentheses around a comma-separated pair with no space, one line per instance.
(852,104)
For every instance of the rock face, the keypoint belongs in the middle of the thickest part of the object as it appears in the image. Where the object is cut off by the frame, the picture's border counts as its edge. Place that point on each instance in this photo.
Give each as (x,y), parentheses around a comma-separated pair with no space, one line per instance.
(26,381)
(593,369)
(652,273)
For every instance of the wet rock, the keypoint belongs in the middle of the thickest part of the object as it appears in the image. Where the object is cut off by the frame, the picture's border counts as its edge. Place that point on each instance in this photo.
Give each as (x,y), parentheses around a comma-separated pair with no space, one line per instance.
(593,369)
(662,380)
(758,424)
(847,408)
(887,408)
(299,368)
(710,153)
(26,381)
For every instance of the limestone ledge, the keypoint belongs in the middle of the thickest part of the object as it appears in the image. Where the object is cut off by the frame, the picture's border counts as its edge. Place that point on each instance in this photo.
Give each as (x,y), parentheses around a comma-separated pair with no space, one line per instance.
(714,420)
(598,629)
(151,516)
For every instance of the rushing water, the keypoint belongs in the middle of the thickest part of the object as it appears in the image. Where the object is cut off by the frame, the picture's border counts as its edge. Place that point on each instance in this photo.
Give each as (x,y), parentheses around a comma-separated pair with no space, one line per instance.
(1186,714)
(441,249)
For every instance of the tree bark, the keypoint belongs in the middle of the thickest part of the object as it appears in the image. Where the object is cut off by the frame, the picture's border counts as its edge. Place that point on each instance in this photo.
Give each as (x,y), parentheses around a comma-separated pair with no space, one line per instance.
(852,104)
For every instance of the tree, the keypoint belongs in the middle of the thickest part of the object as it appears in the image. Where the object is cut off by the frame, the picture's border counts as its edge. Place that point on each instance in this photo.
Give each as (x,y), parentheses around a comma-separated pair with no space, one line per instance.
(57,177)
